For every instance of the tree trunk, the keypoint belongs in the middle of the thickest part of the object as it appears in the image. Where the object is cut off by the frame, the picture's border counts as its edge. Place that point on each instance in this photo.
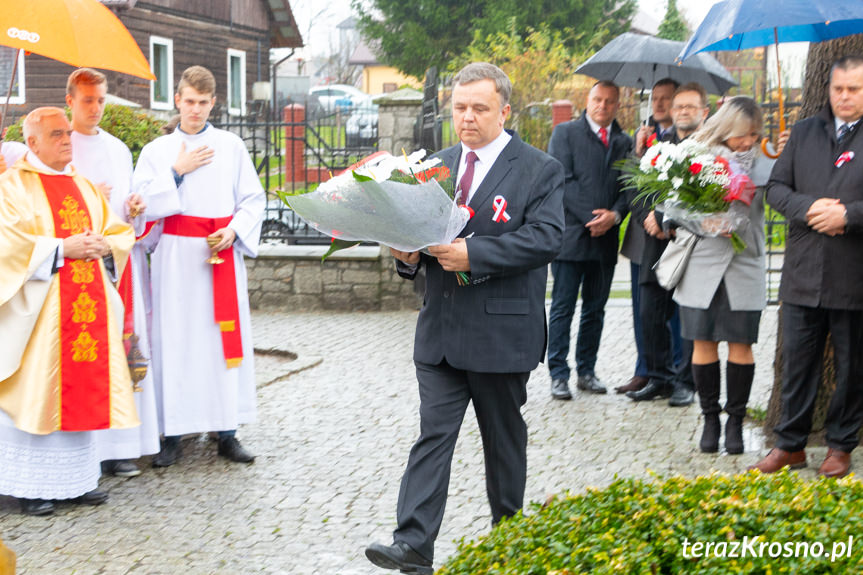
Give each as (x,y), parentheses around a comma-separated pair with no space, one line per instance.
(815,97)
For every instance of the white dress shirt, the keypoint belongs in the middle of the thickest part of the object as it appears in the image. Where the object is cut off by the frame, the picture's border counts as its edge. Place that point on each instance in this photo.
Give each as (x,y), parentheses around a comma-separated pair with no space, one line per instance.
(486,158)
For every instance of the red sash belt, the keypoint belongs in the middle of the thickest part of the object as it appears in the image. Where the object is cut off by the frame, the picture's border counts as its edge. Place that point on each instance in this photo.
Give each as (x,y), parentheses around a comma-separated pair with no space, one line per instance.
(85,372)
(225,305)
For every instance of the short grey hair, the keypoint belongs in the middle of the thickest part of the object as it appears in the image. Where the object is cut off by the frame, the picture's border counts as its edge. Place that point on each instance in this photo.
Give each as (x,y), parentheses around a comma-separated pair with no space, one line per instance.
(736,117)
(33,122)
(476,71)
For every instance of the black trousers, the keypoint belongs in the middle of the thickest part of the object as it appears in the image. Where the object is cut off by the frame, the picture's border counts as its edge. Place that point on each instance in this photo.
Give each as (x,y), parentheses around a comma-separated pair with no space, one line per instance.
(444,396)
(804,333)
(657,307)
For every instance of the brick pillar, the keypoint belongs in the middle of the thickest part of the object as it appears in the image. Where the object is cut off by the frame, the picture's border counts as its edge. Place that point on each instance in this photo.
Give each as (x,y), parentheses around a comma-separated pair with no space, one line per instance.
(294,116)
(561,111)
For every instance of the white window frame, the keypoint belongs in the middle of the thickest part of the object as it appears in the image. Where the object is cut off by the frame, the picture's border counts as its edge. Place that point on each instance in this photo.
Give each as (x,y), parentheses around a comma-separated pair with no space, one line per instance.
(169,44)
(21,97)
(232,110)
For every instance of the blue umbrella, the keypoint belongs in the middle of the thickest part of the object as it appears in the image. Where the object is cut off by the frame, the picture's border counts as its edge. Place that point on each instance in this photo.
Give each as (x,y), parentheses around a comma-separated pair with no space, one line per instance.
(741,24)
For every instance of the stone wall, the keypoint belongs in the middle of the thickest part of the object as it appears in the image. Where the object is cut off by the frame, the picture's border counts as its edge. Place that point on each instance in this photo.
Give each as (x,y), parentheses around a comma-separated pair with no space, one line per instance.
(293,278)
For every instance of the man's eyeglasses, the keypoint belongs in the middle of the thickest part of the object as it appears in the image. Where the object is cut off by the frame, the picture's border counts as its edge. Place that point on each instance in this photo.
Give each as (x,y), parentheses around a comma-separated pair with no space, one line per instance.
(687,108)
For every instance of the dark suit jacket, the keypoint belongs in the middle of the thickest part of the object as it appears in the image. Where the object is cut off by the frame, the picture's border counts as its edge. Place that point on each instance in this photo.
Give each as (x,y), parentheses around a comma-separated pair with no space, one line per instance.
(653,247)
(592,182)
(819,270)
(497,324)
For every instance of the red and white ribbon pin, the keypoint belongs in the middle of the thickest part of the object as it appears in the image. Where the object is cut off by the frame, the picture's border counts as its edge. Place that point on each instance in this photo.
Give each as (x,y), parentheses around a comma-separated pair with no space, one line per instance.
(500,209)
(844,158)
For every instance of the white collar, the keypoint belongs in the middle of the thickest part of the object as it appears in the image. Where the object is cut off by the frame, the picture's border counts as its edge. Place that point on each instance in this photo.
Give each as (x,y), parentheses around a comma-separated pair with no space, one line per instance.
(837,123)
(37,163)
(488,153)
(595,127)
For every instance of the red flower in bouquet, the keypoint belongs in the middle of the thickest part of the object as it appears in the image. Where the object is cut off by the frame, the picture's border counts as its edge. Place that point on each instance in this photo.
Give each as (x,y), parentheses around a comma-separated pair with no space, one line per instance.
(695,168)
(651,139)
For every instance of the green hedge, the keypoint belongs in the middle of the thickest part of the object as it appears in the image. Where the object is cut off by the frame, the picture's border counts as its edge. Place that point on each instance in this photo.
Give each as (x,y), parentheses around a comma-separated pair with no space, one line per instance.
(132,126)
(639,527)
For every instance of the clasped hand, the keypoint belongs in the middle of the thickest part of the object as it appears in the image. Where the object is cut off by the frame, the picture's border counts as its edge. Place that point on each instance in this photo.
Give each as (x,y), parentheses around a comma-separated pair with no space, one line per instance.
(826,216)
(87,246)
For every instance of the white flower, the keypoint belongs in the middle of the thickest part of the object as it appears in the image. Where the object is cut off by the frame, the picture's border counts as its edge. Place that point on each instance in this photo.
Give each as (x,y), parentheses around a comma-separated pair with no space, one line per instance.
(380,169)
(676,182)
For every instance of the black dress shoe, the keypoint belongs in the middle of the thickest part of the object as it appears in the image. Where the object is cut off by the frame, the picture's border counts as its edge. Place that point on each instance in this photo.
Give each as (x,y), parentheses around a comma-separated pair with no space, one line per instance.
(590,384)
(170,452)
(560,389)
(36,506)
(653,390)
(682,395)
(400,556)
(230,447)
(94,497)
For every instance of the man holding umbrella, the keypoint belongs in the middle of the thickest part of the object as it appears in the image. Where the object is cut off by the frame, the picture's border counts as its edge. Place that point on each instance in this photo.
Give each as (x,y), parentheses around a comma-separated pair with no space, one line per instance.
(660,124)
(817,184)
(689,110)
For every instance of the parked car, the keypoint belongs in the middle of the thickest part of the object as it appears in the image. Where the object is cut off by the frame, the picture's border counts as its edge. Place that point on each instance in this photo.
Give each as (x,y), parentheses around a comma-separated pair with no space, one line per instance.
(336,97)
(361,129)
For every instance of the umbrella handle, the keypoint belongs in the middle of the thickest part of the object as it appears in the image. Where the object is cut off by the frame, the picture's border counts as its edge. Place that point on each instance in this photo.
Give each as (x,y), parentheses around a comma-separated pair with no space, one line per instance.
(765,151)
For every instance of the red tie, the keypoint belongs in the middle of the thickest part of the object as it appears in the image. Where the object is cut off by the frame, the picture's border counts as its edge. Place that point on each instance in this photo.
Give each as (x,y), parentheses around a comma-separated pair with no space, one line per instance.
(466,180)
(603,135)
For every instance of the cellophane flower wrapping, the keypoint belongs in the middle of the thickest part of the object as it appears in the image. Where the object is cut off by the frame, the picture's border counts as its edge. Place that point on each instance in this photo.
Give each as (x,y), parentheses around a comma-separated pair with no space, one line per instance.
(365,205)
(694,187)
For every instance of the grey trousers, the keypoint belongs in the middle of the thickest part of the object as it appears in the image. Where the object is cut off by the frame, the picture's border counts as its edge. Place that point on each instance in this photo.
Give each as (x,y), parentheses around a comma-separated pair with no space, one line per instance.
(444,396)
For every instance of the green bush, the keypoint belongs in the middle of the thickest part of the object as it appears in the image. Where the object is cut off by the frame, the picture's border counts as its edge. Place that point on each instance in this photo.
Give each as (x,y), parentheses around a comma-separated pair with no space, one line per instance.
(639,527)
(133,127)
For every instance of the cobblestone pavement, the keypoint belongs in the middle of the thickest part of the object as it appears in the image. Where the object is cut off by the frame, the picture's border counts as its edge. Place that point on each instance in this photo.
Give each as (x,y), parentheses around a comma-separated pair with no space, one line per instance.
(335,426)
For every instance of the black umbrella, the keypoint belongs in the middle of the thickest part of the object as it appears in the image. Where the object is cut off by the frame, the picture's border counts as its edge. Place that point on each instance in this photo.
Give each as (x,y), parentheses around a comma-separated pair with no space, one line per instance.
(639,61)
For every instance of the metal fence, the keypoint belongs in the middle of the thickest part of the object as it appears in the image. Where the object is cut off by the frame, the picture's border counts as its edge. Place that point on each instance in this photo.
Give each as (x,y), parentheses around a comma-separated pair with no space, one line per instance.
(298,151)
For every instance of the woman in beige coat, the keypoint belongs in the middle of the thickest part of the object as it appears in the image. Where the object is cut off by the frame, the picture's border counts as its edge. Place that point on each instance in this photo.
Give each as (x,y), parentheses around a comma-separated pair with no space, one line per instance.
(722,293)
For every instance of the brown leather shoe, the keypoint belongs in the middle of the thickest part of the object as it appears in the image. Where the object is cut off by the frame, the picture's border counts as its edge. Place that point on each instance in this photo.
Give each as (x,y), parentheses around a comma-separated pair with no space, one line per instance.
(779,458)
(637,383)
(836,464)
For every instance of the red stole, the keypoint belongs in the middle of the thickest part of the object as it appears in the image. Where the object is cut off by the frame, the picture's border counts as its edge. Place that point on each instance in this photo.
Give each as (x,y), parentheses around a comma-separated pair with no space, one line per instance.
(85,373)
(226,309)
(128,297)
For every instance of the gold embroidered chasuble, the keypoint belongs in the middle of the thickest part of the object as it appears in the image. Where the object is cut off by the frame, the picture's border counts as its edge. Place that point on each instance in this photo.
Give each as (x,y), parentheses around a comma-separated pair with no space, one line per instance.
(46,336)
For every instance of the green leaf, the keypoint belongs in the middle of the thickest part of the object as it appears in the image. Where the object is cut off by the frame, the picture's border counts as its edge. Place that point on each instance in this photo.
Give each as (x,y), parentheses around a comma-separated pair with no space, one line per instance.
(337,245)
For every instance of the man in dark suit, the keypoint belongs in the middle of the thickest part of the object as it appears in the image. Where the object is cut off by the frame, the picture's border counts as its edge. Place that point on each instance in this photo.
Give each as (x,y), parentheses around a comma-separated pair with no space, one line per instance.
(660,123)
(817,184)
(478,342)
(666,380)
(588,148)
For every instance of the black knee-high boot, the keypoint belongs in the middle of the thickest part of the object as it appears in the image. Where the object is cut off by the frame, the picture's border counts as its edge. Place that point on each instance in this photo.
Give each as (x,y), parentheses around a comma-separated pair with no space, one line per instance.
(706,378)
(739,383)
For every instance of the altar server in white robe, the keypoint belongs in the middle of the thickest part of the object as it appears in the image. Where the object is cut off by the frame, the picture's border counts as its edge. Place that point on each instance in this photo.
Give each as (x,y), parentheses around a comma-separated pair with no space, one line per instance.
(63,370)
(201,183)
(107,163)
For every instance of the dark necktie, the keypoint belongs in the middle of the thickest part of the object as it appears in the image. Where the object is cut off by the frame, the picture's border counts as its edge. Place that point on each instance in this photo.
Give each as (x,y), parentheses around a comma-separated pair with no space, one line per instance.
(466,180)
(843,131)
(603,135)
